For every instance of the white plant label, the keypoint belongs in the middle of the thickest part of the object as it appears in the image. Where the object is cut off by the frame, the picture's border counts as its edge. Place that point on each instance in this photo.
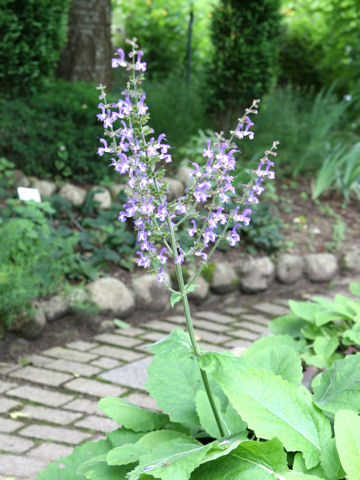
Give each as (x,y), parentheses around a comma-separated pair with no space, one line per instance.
(26,194)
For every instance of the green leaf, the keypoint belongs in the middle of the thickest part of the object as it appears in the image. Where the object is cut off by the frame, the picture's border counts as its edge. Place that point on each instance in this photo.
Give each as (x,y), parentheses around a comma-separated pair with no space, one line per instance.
(274,407)
(274,341)
(131,416)
(301,476)
(300,467)
(352,335)
(175,298)
(97,469)
(330,461)
(322,318)
(250,461)
(289,324)
(347,434)
(122,435)
(281,361)
(339,387)
(121,324)
(66,468)
(354,288)
(305,310)
(311,332)
(174,460)
(325,347)
(190,288)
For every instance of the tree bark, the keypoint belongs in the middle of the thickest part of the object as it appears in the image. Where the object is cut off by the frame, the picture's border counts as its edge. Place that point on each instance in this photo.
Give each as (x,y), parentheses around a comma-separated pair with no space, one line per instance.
(87,54)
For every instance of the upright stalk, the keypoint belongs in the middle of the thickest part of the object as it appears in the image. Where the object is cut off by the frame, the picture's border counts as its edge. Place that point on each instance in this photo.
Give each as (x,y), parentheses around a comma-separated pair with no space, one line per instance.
(190,328)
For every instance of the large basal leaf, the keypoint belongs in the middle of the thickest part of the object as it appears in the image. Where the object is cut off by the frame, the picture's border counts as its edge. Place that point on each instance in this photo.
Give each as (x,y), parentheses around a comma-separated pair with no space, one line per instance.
(289,324)
(230,419)
(250,461)
(122,435)
(305,310)
(354,288)
(352,335)
(174,377)
(273,407)
(131,416)
(66,468)
(347,434)
(174,460)
(300,467)
(281,361)
(330,461)
(274,341)
(339,387)
(97,469)
(301,476)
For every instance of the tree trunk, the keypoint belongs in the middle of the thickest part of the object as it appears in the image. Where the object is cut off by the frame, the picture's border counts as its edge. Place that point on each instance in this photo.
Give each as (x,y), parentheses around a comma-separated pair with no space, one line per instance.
(87,54)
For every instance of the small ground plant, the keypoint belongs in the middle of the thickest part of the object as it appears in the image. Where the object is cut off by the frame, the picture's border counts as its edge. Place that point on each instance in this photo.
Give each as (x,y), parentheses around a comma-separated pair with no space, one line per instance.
(226,417)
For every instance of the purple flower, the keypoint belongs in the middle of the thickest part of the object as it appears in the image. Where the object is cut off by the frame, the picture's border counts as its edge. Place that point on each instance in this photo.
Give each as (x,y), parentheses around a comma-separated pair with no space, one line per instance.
(140,65)
(207,151)
(209,236)
(243,217)
(119,62)
(233,238)
(192,231)
(122,216)
(143,260)
(161,275)
(102,150)
(180,258)
(147,208)
(163,259)
(201,254)
(241,133)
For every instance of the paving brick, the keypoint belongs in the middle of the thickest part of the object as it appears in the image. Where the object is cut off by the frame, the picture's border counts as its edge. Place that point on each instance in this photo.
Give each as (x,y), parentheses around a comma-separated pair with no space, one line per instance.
(154,336)
(39,395)
(129,332)
(246,334)
(235,311)
(105,362)
(144,348)
(118,340)
(80,345)
(51,415)
(132,375)
(14,444)
(68,354)
(7,404)
(38,360)
(6,368)
(7,425)
(94,388)
(211,337)
(98,424)
(142,400)
(159,325)
(85,406)
(118,353)
(179,319)
(56,434)
(256,318)
(75,368)
(12,465)
(240,342)
(6,386)
(50,452)
(271,308)
(40,375)
(212,326)
(216,317)
(254,327)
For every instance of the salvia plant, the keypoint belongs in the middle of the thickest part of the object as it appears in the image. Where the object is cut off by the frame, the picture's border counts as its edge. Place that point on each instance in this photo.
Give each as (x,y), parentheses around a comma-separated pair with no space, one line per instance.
(227,417)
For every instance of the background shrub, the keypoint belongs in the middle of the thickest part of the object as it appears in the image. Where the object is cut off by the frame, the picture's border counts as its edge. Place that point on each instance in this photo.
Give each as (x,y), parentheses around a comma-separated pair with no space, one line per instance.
(32,33)
(55,133)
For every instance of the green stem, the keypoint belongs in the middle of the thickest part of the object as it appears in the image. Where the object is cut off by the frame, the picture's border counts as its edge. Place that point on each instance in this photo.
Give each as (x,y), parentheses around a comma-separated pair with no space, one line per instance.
(190,328)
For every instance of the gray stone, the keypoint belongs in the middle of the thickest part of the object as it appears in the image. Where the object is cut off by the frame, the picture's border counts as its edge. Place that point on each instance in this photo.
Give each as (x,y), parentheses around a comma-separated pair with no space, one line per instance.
(45,187)
(6,386)
(40,375)
(142,400)
(13,466)
(112,297)
(212,326)
(256,274)
(6,405)
(210,337)
(117,188)
(80,345)
(320,267)
(56,434)
(224,278)
(93,388)
(130,332)
(73,194)
(68,354)
(19,179)
(350,260)
(103,197)
(118,353)
(56,307)
(175,188)
(30,325)
(77,295)
(106,363)
(7,425)
(37,360)
(201,292)
(150,295)
(153,337)
(239,342)
(14,444)
(183,174)
(106,325)
(51,415)
(50,451)
(132,375)
(159,325)
(271,308)
(289,268)
(216,317)
(99,424)
(39,395)
(117,340)
(84,405)
(75,368)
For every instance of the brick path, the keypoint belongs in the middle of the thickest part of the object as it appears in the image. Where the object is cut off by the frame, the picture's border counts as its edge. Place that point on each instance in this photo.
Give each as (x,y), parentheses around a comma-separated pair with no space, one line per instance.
(49,406)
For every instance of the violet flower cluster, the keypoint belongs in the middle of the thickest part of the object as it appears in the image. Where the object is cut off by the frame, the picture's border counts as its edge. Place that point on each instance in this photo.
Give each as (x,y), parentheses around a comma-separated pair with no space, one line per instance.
(141,157)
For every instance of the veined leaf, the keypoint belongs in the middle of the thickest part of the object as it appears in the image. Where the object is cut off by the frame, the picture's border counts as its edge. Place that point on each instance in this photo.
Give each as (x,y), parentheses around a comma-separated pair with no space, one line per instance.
(347,434)
(300,467)
(354,288)
(305,310)
(97,469)
(122,435)
(274,407)
(322,318)
(274,341)
(339,386)
(249,461)
(352,335)
(131,416)
(301,476)
(330,461)
(281,361)
(289,324)
(175,298)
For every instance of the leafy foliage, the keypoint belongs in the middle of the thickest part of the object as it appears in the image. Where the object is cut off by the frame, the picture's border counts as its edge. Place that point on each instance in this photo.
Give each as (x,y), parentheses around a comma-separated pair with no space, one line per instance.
(32,35)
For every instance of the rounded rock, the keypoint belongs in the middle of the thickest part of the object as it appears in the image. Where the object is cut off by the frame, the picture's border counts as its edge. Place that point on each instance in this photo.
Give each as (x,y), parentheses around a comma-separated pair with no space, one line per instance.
(224,279)
(350,260)
(150,294)
(175,188)
(102,197)
(256,275)
(19,179)
(111,296)
(201,292)
(45,187)
(73,194)
(183,174)
(57,307)
(289,268)
(116,189)
(320,267)
(30,326)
